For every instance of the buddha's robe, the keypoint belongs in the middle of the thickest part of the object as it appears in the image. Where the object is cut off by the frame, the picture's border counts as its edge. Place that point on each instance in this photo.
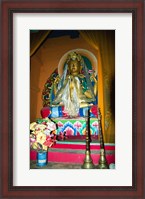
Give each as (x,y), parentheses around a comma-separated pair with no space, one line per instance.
(74,94)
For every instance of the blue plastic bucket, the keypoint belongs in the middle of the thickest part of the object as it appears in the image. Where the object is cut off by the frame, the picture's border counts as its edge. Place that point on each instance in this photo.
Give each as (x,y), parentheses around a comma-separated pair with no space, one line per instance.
(42,158)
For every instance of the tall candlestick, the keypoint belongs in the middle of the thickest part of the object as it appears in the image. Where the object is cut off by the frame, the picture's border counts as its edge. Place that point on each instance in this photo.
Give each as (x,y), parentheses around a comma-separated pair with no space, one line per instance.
(88,162)
(102,161)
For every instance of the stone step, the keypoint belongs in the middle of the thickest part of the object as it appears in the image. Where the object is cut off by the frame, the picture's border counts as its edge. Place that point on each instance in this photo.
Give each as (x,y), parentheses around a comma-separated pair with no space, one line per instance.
(74,152)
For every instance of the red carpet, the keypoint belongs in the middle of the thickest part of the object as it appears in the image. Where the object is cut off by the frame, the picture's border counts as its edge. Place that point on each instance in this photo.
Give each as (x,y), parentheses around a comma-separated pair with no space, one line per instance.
(74,152)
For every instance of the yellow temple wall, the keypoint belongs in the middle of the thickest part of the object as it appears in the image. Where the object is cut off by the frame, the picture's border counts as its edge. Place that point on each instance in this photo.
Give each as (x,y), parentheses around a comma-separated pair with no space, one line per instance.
(44,62)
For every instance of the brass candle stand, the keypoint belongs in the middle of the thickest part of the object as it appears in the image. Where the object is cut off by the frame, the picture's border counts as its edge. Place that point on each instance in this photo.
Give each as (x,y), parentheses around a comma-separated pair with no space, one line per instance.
(102,161)
(88,162)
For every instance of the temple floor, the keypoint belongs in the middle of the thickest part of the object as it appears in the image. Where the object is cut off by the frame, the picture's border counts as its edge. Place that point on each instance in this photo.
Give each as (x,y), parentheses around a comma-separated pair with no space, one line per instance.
(58,165)
(54,165)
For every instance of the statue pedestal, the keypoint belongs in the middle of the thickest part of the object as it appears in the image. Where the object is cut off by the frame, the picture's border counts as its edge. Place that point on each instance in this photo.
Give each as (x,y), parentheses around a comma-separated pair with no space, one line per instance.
(58,112)
(75,126)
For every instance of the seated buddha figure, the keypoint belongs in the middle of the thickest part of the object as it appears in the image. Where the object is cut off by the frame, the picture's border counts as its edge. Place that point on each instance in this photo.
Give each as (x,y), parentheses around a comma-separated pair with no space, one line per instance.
(76,88)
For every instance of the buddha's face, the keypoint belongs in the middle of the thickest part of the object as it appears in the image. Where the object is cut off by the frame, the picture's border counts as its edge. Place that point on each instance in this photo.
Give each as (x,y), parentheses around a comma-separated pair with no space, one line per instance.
(74,67)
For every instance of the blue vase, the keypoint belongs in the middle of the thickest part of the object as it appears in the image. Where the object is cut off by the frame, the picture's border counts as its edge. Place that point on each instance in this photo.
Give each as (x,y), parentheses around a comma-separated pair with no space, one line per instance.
(42,158)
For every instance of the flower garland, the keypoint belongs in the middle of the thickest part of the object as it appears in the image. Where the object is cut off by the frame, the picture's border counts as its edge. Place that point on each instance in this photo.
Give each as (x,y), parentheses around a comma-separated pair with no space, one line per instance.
(42,134)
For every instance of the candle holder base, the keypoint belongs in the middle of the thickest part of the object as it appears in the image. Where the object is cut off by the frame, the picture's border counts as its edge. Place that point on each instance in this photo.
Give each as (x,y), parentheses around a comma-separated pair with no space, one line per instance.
(102,166)
(88,162)
(102,162)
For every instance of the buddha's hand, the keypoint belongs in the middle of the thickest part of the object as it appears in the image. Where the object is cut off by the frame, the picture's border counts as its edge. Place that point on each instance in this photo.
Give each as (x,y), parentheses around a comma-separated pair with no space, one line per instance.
(57,79)
(93,77)
(69,77)
(88,94)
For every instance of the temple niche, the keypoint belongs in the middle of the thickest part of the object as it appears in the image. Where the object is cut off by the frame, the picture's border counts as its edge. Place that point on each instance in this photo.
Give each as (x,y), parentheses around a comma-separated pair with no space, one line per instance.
(70,91)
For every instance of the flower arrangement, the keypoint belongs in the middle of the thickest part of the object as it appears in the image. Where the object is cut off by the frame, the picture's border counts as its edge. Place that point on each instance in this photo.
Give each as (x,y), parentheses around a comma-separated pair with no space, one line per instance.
(42,134)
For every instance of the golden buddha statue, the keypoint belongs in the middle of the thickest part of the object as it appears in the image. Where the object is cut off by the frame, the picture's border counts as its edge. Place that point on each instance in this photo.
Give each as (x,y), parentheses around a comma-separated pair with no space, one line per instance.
(74,90)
